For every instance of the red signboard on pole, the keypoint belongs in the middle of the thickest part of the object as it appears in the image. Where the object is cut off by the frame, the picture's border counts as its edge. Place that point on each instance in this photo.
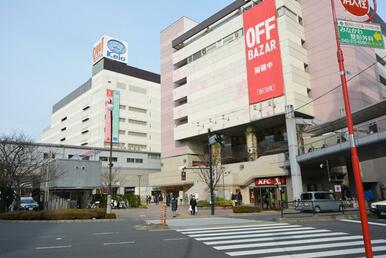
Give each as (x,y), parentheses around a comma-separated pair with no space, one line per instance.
(264,68)
(356,7)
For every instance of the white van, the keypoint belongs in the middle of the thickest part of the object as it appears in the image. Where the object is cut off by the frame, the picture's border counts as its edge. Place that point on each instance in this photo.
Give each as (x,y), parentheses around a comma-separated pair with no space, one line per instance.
(320,201)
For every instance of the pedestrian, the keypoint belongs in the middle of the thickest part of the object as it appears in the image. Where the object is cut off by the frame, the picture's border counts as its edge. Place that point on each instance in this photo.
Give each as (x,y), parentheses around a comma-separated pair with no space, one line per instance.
(239,198)
(174,204)
(369,196)
(193,205)
(233,199)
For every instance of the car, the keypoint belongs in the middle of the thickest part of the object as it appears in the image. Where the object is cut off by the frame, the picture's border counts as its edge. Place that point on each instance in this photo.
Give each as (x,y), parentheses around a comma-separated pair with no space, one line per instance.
(379,208)
(28,203)
(320,201)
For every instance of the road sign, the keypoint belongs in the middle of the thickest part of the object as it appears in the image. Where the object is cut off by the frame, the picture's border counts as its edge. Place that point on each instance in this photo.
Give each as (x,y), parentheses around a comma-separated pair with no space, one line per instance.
(360,34)
(356,7)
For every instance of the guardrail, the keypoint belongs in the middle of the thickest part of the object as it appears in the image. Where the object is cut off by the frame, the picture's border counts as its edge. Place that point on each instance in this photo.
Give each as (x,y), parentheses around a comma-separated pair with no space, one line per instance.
(310,207)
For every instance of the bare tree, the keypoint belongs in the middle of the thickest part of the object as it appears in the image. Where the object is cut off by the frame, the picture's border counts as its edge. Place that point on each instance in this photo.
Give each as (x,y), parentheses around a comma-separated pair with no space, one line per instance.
(217,169)
(116,179)
(20,166)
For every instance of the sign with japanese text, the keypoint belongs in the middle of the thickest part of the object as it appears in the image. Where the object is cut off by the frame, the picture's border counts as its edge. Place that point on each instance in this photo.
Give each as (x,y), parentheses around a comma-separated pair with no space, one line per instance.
(360,34)
(112,99)
(356,7)
(111,48)
(270,181)
(264,68)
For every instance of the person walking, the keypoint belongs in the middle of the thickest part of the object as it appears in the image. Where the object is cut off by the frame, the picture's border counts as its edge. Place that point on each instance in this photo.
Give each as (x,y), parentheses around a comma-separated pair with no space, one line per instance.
(193,205)
(174,204)
(239,198)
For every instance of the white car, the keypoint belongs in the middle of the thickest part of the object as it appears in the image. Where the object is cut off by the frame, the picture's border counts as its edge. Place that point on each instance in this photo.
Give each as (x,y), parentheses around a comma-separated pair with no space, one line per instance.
(379,208)
(28,203)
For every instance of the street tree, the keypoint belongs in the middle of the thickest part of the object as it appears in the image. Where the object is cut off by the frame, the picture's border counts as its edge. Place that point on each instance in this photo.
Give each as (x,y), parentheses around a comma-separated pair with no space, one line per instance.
(20,167)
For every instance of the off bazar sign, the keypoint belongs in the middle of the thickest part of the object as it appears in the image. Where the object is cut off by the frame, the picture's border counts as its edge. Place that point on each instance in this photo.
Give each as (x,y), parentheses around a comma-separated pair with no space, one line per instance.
(270,181)
(356,7)
(360,34)
(264,68)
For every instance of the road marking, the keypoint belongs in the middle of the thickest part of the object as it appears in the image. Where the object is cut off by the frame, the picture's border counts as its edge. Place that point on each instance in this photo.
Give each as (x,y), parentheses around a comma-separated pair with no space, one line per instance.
(335,253)
(301,248)
(294,228)
(53,247)
(370,223)
(105,233)
(229,227)
(119,243)
(274,238)
(301,231)
(238,229)
(176,239)
(58,238)
(293,242)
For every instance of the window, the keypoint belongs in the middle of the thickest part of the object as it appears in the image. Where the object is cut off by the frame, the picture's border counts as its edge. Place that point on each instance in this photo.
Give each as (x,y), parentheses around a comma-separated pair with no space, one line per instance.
(85,119)
(137,122)
(48,155)
(138,110)
(136,147)
(63,129)
(85,131)
(382,80)
(122,119)
(138,134)
(130,160)
(121,85)
(101,158)
(121,132)
(114,159)
(138,160)
(64,118)
(181,121)
(153,156)
(325,196)
(306,67)
(137,89)
(287,12)
(63,139)
(122,107)
(86,107)
(382,61)
(84,144)
(181,101)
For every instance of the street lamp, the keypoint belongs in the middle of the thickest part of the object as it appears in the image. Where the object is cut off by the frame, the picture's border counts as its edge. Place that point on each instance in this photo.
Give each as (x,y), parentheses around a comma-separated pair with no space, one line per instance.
(110,107)
(328,172)
(139,187)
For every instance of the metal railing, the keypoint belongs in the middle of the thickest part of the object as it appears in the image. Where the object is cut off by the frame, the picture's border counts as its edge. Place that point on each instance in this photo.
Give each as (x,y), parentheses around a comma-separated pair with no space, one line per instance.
(362,130)
(307,207)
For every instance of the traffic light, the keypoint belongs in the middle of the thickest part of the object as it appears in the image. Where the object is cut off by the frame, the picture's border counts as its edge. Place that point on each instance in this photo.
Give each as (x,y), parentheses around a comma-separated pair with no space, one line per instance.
(219,139)
(183,175)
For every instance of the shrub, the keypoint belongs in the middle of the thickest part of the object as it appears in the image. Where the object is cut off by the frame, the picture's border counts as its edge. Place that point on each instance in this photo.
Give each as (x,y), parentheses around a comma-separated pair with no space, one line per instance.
(203,203)
(64,214)
(223,203)
(143,206)
(245,209)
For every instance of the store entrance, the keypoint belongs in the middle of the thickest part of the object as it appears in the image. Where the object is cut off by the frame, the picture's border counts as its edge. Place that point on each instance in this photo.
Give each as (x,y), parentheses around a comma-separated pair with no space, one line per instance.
(268,198)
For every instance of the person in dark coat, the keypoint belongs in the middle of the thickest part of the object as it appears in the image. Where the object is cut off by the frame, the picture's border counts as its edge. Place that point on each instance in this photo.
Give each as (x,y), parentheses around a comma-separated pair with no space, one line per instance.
(174,204)
(193,205)
(239,198)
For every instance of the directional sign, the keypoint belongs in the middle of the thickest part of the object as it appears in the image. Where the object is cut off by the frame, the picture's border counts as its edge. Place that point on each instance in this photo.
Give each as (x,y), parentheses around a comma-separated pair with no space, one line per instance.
(360,34)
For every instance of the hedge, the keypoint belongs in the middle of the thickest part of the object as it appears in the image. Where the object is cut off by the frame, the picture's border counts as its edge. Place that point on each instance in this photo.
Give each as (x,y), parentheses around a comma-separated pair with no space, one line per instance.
(63,214)
(245,209)
(219,202)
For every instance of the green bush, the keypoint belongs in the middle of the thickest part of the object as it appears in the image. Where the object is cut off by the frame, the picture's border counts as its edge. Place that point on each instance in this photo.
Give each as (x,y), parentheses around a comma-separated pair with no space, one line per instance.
(133,200)
(245,209)
(223,203)
(203,203)
(64,214)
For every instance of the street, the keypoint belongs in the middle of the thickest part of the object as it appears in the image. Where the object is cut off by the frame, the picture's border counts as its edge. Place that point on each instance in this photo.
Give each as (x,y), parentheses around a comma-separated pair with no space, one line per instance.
(204,237)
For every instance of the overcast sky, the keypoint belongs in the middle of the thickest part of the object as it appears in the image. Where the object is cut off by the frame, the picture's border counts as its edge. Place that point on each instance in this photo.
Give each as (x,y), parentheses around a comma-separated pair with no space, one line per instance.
(46,47)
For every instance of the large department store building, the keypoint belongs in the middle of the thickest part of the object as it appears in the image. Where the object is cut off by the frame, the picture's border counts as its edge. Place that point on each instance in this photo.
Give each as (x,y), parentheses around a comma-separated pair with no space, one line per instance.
(82,119)
(237,73)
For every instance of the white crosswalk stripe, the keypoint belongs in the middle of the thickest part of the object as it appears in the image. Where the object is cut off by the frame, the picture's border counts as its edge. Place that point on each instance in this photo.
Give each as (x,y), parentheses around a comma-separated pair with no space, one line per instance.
(282,240)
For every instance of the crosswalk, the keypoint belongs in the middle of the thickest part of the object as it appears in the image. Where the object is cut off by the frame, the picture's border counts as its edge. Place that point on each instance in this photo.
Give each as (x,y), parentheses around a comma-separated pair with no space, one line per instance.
(282,240)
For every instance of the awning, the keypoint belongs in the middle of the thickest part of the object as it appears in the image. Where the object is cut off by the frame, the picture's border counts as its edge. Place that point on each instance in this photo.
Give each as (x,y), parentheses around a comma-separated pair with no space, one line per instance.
(362,115)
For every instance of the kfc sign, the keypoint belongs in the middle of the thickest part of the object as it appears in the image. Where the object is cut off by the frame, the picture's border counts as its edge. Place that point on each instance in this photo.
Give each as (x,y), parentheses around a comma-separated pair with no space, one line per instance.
(270,181)
(264,69)
(356,7)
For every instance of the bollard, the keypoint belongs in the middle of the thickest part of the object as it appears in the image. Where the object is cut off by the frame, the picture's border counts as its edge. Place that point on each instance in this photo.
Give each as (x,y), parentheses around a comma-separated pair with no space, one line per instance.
(163,214)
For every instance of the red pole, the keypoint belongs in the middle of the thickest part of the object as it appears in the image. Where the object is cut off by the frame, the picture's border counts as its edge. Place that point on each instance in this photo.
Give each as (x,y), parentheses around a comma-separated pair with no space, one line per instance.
(354,152)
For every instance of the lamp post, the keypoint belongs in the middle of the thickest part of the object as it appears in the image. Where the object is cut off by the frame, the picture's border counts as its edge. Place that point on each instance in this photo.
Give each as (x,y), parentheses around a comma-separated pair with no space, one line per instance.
(139,187)
(110,107)
(328,172)
(210,174)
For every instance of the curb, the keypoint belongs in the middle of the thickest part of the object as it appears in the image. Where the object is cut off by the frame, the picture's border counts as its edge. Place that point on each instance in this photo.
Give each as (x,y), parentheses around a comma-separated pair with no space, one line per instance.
(316,218)
(61,221)
(152,227)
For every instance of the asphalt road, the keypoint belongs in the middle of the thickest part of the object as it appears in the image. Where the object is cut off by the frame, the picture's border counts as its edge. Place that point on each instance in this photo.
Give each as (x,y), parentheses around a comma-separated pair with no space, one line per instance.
(119,239)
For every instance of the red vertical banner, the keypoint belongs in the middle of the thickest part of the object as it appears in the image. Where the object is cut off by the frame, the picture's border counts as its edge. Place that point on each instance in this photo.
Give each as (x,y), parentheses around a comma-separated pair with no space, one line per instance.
(264,69)
(109,101)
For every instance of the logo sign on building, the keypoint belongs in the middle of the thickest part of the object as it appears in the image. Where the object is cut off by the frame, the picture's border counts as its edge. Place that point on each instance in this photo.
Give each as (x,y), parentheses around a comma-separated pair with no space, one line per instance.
(264,68)
(360,34)
(356,7)
(111,48)
(270,181)
(112,98)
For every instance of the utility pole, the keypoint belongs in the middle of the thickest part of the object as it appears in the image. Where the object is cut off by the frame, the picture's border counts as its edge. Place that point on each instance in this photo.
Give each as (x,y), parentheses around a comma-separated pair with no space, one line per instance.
(210,175)
(354,152)
(110,107)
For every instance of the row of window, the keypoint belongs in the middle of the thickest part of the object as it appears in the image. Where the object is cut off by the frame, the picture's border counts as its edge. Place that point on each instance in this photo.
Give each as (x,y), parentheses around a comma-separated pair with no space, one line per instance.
(130,160)
(133,121)
(132,133)
(122,86)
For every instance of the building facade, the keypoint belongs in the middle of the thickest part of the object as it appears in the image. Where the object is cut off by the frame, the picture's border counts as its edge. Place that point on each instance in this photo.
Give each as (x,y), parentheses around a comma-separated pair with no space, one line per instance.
(212,81)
